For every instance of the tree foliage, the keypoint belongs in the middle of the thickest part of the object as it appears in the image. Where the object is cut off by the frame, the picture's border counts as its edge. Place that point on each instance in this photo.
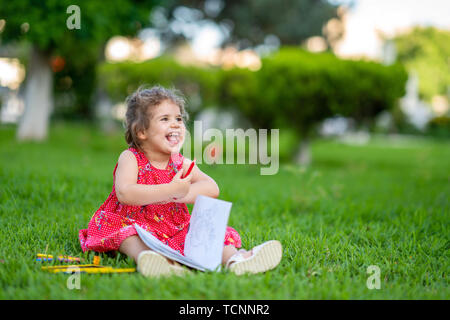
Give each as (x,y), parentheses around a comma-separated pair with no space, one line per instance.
(426,51)
(292,21)
(43,24)
(249,22)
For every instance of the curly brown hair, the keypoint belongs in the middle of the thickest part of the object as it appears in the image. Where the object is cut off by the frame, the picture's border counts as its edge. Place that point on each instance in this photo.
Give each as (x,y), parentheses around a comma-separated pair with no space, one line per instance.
(139,107)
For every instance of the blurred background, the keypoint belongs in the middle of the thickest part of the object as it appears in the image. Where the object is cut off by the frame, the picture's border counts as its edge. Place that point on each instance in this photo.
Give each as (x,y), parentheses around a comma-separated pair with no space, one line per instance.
(313,68)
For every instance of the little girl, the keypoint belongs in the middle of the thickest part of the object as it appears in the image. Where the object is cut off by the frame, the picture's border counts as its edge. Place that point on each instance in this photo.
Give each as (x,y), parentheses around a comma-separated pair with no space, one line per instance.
(149,189)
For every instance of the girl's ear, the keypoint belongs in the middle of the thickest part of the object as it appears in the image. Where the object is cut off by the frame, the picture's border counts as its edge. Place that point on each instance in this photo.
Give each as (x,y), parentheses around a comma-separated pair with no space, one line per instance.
(141,135)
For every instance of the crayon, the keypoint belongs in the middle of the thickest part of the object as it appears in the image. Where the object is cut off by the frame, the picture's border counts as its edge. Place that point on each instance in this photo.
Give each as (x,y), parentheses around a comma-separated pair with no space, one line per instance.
(87,268)
(49,257)
(189,170)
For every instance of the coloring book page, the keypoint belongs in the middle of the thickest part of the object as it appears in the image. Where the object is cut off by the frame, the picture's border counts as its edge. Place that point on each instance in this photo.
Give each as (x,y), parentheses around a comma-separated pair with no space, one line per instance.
(205,239)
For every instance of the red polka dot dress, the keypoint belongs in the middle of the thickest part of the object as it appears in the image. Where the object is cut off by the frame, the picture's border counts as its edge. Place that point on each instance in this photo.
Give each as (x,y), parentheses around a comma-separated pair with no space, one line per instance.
(113,222)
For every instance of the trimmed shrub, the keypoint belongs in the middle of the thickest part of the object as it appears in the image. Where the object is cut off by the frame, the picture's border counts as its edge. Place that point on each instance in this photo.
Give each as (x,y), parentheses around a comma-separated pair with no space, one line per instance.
(199,85)
(298,89)
(294,88)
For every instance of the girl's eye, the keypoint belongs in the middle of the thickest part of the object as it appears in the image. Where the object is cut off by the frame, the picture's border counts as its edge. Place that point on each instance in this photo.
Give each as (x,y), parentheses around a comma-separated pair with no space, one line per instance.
(164,119)
(180,119)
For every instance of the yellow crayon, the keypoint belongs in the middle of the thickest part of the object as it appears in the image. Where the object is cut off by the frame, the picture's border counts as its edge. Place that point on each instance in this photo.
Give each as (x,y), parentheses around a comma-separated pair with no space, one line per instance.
(88,268)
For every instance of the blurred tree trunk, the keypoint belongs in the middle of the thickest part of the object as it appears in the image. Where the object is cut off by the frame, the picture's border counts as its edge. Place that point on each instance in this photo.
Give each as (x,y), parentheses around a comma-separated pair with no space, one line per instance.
(103,111)
(38,98)
(303,156)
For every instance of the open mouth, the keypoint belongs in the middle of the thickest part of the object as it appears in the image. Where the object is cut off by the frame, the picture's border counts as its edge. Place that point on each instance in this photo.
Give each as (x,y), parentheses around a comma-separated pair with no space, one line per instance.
(173,138)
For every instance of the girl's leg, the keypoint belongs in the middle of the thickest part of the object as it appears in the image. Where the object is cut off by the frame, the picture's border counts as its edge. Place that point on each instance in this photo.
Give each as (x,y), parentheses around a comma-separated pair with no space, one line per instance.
(132,246)
(230,250)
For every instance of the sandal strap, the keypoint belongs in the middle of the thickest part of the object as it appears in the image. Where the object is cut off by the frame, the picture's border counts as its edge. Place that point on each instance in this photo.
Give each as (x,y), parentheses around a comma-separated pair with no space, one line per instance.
(237,257)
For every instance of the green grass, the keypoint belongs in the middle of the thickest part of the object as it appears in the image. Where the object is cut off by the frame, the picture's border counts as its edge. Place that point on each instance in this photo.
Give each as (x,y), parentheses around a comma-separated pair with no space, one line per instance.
(384,204)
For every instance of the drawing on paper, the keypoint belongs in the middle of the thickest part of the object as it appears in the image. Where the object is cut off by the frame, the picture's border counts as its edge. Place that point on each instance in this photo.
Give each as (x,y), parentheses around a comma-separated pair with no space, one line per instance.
(205,224)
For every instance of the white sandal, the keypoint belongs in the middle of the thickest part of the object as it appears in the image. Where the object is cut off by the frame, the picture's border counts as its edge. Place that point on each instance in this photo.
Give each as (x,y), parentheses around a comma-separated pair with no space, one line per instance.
(152,264)
(264,257)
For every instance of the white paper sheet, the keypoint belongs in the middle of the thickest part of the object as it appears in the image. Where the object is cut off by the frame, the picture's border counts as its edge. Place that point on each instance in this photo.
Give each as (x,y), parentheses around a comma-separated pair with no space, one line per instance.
(204,241)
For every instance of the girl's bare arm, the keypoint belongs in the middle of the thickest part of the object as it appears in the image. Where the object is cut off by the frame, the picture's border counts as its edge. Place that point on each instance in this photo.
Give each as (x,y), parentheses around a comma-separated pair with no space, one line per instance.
(130,193)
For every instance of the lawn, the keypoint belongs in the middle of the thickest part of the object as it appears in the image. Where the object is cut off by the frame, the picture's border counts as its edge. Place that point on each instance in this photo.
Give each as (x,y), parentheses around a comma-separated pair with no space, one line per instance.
(384,204)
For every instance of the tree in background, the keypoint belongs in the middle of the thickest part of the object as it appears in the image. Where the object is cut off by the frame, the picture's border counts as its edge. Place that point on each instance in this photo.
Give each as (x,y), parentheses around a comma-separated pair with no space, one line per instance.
(426,51)
(250,23)
(291,21)
(64,34)
(297,89)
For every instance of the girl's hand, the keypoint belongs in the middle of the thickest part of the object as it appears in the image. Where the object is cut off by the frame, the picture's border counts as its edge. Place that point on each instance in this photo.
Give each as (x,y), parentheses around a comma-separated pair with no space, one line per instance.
(180,187)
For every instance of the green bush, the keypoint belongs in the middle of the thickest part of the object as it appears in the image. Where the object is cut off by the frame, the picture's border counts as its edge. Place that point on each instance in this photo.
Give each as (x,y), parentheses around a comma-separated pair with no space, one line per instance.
(199,85)
(298,89)
(439,127)
(294,88)
(426,51)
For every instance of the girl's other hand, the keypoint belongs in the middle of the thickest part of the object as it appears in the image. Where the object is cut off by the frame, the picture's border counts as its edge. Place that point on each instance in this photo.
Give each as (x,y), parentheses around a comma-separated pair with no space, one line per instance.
(180,187)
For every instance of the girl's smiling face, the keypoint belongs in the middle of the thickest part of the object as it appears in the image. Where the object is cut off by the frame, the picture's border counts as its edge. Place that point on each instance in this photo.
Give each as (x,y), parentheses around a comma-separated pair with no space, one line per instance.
(166,131)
